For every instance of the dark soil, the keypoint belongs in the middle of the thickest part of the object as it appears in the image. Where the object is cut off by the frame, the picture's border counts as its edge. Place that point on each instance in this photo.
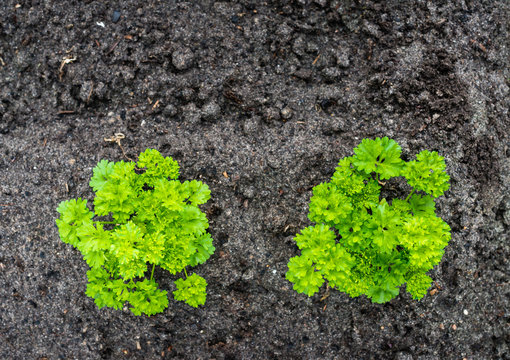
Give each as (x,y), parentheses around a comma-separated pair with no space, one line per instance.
(259,100)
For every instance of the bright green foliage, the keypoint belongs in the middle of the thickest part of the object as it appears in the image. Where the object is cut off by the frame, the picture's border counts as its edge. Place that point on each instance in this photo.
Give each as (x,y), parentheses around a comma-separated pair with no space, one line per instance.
(191,290)
(156,220)
(381,156)
(365,244)
(427,173)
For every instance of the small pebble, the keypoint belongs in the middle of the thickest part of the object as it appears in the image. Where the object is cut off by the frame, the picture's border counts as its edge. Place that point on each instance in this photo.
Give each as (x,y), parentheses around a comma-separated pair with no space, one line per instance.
(454,327)
(466,312)
(286,113)
(116,16)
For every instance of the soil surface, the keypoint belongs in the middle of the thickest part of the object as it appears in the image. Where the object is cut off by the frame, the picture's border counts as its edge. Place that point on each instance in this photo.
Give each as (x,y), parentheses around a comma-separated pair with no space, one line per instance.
(259,100)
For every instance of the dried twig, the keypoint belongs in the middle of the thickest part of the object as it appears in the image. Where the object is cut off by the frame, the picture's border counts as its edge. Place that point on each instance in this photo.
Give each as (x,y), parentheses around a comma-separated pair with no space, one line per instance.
(66,60)
(117,137)
(90,92)
(114,46)
(316,59)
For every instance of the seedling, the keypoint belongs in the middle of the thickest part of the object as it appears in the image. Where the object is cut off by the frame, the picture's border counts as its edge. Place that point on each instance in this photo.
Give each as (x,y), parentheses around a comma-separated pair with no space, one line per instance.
(154,220)
(365,244)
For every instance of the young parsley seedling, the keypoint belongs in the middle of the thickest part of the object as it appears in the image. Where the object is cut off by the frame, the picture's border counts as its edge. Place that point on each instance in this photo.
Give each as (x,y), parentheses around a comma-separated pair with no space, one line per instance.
(155,220)
(362,244)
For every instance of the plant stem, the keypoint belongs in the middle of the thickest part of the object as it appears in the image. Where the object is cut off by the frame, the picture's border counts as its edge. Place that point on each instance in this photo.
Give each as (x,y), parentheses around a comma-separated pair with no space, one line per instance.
(152,273)
(408,196)
(185,273)
(107,222)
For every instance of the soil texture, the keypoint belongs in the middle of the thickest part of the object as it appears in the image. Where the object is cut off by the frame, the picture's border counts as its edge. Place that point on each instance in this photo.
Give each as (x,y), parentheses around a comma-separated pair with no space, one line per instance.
(259,100)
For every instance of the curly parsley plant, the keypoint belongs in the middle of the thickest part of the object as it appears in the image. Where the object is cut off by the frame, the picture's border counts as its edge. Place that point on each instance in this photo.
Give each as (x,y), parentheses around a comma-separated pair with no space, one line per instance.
(365,244)
(156,220)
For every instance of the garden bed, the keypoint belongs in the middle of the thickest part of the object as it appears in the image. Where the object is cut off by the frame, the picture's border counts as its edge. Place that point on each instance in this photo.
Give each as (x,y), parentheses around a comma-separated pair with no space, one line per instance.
(259,100)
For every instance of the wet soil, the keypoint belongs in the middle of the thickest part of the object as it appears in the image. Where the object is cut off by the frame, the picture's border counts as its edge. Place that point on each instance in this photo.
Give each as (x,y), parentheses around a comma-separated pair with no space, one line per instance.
(259,100)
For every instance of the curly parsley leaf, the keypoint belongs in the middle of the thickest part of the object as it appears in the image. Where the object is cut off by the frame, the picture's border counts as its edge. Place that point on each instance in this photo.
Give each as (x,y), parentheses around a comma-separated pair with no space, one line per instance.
(191,291)
(427,173)
(157,167)
(102,173)
(302,273)
(384,225)
(202,249)
(381,156)
(418,284)
(383,293)
(147,299)
(73,214)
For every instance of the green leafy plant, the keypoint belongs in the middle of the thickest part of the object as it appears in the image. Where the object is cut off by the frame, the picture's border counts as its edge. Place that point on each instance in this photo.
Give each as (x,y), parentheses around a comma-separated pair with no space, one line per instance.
(155,219)
(365,244)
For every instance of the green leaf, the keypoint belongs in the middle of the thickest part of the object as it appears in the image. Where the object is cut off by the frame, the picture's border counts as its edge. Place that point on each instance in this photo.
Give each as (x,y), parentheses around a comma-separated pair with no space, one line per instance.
(93,238)
(177,253)
(302,273)
(153,248)
(384,227)
(427,173)
(316,242)
(328,205)
(347,179)
(74,211)
(193,220)
(157,167)
(124,242)
(196,192)
(338,269)
(102,173)
(147,299)
(425,238)
(94,258)
(368,197)
(202,249)
(73,214)
(382,293)
(379,155)
(67,233)
(168,194)
(422,205)
(192,290)
(101,288)
(418,285)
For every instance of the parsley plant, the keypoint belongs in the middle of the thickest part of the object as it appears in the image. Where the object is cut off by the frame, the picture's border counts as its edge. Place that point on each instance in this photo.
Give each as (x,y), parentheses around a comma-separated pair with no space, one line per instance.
(155,220)
(365,244)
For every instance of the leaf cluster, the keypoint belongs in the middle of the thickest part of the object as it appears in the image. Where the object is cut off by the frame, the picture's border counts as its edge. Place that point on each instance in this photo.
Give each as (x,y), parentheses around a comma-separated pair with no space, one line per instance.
(155,220)
(365,244)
